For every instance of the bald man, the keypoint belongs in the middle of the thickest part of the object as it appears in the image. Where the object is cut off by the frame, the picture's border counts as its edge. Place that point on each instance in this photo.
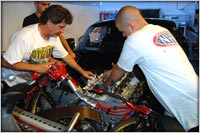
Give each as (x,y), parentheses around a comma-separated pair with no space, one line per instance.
(168,72)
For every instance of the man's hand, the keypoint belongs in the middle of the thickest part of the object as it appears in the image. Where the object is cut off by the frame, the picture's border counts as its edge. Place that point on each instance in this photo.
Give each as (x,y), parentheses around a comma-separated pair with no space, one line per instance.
(106,74)
(106,78)
(113,75)
(43,67)
(88,74)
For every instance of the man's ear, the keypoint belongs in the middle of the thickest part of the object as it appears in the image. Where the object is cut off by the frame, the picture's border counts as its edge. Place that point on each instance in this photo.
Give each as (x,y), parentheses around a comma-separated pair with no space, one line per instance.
(131,27)
(49,23)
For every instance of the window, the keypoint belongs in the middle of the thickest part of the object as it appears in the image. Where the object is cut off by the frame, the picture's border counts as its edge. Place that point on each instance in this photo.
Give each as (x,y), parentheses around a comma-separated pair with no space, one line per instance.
(96,36)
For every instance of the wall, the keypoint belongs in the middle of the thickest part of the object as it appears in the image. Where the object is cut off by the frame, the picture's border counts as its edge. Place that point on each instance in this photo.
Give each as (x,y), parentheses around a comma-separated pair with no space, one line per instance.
(13,13)
(184,9)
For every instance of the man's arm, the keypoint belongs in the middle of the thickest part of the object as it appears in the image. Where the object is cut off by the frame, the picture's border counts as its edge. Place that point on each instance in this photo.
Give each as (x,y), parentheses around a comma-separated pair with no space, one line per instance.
(23,66)
(66,45)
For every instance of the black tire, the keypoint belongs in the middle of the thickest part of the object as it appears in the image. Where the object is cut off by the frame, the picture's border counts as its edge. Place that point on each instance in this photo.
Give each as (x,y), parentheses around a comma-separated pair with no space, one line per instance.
(168,124)
(41,101)
(134,124)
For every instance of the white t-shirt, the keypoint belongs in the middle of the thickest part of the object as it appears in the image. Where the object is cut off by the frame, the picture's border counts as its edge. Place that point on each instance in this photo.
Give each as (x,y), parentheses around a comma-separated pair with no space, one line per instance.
(167,69)
(27,45)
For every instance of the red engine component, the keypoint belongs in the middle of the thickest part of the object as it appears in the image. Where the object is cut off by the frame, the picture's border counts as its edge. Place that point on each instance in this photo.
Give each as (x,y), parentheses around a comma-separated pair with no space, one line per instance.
(35,75)
(57,71)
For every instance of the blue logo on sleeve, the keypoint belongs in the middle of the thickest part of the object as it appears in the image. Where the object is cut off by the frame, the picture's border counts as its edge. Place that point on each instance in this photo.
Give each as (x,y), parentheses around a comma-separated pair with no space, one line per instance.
(164,39)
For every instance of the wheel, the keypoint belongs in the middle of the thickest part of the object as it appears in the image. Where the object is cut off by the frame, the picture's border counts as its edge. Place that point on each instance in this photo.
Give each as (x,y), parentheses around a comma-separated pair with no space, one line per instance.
(168,124)
(41,102)
(134,124)
(89,119)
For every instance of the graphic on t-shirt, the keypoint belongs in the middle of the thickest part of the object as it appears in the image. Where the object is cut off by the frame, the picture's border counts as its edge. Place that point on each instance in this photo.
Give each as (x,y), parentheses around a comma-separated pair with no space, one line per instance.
(164,39)
(41,55)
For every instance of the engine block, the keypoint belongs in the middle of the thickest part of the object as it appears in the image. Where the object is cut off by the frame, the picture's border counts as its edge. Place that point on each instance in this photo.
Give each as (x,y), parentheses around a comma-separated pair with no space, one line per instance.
(128,87)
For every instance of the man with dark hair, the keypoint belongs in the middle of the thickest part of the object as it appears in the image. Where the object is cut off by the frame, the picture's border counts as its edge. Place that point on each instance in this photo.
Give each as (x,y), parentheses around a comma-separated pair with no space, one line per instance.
(32,48)
(56,15)
(34,18)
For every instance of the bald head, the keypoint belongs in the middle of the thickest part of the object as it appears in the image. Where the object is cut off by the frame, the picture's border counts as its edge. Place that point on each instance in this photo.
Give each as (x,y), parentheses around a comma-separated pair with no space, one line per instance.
(129,15)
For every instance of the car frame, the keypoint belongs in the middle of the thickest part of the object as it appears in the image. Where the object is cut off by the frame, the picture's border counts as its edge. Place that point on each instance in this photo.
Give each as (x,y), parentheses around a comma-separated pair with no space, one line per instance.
(100,56)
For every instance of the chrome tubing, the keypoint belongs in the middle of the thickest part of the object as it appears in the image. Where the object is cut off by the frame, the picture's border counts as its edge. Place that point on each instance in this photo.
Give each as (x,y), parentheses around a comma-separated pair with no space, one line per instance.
(82,96)
(73,121)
